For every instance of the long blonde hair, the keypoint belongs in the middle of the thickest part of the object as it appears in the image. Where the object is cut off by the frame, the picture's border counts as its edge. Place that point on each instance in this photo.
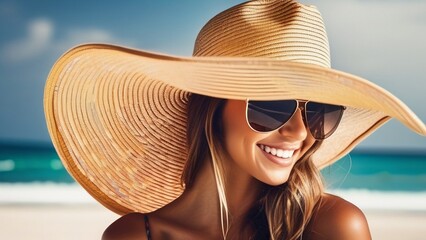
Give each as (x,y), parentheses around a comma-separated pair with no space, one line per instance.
(284,210)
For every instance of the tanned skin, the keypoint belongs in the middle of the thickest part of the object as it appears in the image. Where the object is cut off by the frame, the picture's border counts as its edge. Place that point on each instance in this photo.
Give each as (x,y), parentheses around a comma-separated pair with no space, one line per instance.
(196,213)
(334,219)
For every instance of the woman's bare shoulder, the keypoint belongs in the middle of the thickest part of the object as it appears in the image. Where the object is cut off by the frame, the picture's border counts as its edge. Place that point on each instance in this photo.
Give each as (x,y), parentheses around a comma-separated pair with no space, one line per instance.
(336,218)
(128,227)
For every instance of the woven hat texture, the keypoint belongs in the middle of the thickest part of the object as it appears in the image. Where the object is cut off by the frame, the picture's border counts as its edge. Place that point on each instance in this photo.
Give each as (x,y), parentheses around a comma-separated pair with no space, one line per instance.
(117,116)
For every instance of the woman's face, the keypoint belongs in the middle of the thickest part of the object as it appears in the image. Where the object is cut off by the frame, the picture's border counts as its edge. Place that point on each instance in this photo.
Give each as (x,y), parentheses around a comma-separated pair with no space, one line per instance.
(256,153)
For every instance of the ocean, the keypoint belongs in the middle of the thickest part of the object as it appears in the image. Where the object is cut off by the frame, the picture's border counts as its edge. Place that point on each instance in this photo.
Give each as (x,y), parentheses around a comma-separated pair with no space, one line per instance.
(371,179)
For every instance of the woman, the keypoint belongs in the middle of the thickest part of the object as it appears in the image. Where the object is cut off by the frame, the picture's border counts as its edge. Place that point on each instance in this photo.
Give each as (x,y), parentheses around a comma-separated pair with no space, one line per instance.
(225,145)
(253,178)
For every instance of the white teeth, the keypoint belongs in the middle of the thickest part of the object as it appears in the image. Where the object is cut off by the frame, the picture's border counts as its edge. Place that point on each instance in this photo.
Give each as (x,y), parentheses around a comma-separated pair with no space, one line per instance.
(277,152)
(280,153)
(267,149)
(288,154)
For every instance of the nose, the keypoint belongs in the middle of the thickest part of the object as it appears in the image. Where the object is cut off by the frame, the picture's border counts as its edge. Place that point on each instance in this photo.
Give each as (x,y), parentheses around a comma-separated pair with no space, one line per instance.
(295,127)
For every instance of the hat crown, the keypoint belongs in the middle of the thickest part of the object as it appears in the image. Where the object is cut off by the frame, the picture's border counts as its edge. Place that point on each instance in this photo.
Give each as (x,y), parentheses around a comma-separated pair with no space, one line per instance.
(279,29)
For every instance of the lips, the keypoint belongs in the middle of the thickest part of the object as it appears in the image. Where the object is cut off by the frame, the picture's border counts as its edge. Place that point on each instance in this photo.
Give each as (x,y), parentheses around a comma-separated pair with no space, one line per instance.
(282,157)
(281,153)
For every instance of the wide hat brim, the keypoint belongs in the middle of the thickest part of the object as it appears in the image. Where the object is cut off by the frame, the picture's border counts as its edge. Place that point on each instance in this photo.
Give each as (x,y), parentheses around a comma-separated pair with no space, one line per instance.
(117,116)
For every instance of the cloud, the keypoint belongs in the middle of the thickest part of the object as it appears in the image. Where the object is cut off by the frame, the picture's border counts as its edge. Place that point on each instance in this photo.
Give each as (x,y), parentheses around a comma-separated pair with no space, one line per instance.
(393,31)
(41,40)
(37,39)
(77,36)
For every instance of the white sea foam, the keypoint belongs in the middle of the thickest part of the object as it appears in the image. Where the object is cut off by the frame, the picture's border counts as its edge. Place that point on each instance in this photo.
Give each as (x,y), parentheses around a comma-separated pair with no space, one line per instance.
(43,193)
(7,165)
(54,193)
(381,200)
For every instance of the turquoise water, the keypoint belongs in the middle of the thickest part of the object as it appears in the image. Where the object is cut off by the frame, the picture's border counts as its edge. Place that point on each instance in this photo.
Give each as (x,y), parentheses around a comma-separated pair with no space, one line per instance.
(372,170)
(25,164)
(375,170)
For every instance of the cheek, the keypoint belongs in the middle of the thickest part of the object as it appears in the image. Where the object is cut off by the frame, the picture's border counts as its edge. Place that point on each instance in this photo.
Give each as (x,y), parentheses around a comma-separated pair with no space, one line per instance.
(239,139)
(308,143)
(234,120)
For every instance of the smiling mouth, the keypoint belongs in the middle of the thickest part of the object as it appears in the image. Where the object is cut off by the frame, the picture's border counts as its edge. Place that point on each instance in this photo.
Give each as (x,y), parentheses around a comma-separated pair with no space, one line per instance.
(281,153)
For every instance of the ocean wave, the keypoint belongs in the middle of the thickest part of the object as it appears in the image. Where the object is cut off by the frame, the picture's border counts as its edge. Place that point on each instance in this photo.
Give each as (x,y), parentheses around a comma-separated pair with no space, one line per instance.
(384,200)
(62,193)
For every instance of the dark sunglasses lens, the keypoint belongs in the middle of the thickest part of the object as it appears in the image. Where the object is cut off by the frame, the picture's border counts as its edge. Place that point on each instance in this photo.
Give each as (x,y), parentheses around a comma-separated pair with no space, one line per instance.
(323,119)
(265,116)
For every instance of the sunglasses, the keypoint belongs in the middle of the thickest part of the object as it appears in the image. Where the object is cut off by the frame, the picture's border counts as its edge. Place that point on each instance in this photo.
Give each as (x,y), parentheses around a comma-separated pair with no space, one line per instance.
(321,119)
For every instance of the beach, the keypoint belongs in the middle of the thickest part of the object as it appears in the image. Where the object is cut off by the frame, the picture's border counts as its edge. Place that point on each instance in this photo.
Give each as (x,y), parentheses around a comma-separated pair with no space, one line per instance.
(88,221)
(38,200)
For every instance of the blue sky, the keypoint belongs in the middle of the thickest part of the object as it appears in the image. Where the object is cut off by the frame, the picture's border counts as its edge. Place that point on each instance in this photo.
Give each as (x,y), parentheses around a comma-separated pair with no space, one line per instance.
(382,41)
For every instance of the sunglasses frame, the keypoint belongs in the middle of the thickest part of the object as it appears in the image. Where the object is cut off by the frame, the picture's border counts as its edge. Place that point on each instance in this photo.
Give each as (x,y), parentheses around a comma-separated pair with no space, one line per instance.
(301,104)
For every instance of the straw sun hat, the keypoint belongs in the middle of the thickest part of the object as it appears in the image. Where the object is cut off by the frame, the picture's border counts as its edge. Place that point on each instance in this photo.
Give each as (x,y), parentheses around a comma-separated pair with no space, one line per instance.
(117,116)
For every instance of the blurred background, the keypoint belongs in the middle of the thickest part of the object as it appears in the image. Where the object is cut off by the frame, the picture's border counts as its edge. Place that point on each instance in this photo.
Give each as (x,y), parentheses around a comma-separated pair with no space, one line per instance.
(382,41)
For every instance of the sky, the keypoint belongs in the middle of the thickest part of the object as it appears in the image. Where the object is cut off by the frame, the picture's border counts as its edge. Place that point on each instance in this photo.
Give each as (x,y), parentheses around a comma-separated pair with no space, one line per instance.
(380,40)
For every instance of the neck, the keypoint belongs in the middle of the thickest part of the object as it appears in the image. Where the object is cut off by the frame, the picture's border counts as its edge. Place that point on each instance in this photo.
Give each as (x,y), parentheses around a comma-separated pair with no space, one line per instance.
(242,193)
(242,190)
(199,207)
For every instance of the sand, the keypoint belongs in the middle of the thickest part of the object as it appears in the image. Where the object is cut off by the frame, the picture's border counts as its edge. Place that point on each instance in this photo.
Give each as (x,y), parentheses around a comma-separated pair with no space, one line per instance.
(88,221)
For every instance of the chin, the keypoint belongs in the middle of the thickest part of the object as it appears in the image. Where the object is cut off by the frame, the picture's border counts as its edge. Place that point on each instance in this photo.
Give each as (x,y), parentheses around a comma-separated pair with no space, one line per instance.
(275,181)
